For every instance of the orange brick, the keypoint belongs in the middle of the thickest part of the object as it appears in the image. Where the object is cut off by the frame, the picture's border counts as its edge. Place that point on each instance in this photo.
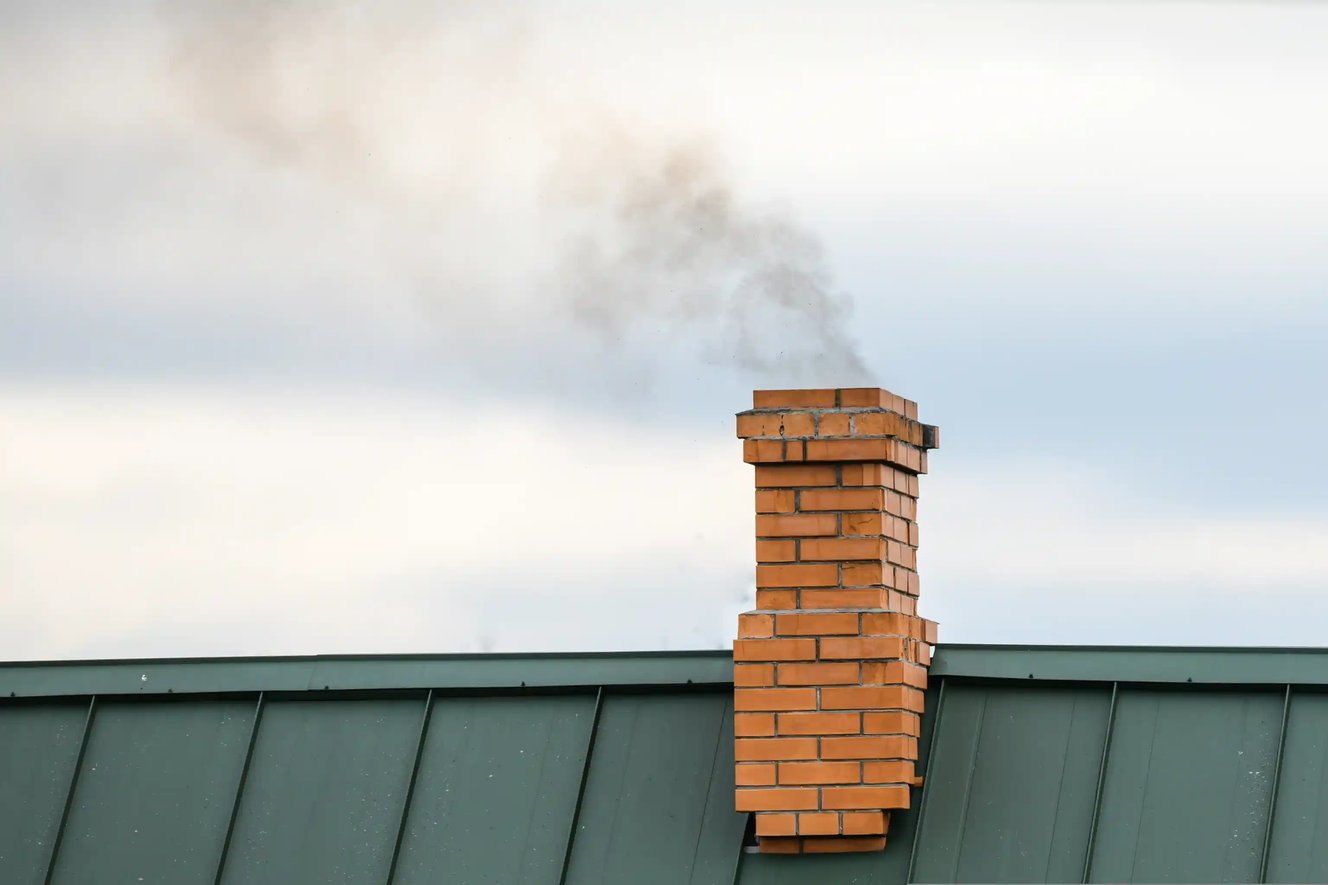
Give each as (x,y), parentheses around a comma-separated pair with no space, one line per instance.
(746,699)
(864,474)
(779,799)
(900,554)
(852,449)
(929,631)
(821,823)
(841,499)
(842,844)
(864,748)
(864,823)
(893,747)
(878,424)
(861,597)
(908,507)
(775,424)
(799,424)
(864,573)
(754,725)
(894,673)
(776,845)
(864,397)
(820,575)
(767,451)
(838,549)
(749,425)
(884,672)
(833,424)
(890,624)
(897,528)
(755,774)
(774,649)
(911,486)
(776,824)
(864,523)
(774,501)
(802,773)
(753,674)
(924,655)
(896,771)
(817,624)
(774,749)
(770,476)
(912,530)
(754,626)
(910,410)
(838,648)
(903,455)
(793,399)
(818,723)
(783,525)
(892,722)
(775,600)
(846,798)
(863,697)
(776,551)
(819,674)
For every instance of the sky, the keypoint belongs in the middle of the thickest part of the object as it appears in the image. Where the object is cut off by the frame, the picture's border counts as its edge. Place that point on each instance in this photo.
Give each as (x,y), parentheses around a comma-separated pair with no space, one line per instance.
(420,327)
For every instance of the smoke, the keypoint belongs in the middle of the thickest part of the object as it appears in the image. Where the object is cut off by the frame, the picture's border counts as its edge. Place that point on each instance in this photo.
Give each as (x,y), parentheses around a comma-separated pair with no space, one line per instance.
(670,242)
(407,111)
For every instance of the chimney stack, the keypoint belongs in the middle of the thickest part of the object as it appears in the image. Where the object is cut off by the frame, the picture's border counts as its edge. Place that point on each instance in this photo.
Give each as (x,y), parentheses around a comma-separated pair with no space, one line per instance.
(829,669)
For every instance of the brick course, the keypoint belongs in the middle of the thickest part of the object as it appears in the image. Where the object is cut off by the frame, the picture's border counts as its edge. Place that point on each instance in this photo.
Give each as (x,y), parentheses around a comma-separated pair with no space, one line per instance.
(831,665)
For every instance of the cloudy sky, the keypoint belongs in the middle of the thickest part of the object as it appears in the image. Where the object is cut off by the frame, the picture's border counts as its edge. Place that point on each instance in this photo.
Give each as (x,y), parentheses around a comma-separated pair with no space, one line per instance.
(420,327)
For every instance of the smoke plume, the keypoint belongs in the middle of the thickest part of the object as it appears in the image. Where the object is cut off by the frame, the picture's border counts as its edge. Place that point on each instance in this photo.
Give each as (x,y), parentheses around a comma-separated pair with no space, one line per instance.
(672,243)
(403,109)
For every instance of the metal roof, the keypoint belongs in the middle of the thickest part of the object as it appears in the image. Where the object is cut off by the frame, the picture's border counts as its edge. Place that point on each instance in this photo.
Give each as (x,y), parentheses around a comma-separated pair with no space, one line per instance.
(1041,764)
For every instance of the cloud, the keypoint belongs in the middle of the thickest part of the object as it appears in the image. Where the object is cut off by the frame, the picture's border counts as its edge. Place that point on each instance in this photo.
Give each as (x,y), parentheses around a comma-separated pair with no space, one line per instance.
(656,236)
(1057,551)
(382,175)
(1086,238)
(166,520)
(227,521)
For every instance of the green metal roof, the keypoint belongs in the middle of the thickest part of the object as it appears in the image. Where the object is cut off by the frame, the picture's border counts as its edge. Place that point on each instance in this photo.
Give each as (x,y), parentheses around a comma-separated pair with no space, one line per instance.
(1041,764)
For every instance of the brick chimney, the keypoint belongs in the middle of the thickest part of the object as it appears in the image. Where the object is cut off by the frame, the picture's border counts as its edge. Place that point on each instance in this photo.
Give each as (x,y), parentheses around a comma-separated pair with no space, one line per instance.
(830,667)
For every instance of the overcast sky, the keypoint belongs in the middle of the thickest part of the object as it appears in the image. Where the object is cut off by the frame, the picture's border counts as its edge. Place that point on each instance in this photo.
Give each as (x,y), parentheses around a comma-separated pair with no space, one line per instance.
(420,327)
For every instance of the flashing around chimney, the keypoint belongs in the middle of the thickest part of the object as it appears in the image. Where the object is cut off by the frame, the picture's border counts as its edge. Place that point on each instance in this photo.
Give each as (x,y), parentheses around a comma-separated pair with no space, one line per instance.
(829,669)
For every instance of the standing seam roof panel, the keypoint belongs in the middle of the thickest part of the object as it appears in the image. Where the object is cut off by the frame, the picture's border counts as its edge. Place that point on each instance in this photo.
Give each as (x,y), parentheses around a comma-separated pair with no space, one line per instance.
(151,775)
(1200,780)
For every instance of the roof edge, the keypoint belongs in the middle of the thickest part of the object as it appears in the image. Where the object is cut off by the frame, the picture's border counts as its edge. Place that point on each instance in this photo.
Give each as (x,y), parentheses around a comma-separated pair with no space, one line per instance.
(460,672)
(1135,664)
(363,672)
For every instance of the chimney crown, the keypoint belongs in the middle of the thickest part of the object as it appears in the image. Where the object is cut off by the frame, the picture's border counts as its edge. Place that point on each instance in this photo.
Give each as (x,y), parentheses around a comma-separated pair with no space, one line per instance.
(858,424)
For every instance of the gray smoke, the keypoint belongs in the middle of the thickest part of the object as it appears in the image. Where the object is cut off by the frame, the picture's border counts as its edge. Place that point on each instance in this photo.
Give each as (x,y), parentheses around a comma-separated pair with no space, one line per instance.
(677,246)
(649,237)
